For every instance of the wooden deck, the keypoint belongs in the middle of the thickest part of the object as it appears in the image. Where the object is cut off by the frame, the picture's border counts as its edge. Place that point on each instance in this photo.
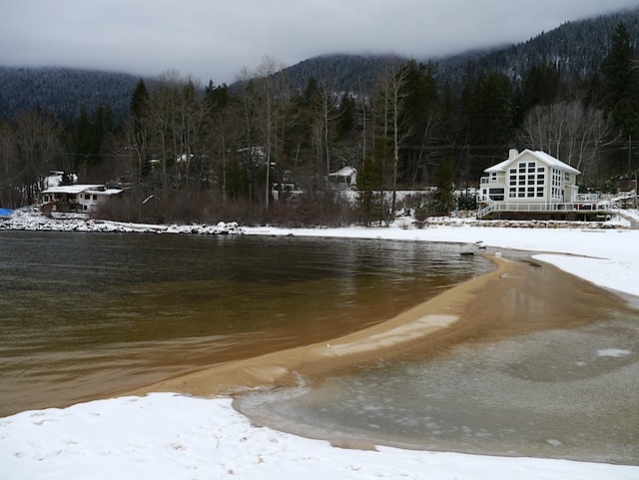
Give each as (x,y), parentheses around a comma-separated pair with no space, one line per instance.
(586,212)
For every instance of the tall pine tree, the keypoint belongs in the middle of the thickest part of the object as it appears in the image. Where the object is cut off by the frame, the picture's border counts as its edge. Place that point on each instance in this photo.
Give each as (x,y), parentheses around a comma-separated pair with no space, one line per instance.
(621,83)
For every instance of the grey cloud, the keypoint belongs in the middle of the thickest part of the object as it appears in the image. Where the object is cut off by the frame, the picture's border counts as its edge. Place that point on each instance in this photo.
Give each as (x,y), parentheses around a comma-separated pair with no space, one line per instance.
(214,39)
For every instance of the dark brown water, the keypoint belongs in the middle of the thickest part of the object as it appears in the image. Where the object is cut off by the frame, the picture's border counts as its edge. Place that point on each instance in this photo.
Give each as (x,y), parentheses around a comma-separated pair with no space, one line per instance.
(85,315)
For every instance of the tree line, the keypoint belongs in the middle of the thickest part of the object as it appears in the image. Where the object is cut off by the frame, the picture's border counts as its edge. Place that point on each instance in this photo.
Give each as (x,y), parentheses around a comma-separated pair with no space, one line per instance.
(261,151)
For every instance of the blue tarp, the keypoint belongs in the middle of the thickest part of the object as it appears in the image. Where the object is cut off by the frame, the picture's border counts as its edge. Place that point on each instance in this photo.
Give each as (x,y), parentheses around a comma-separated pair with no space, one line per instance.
(5,212)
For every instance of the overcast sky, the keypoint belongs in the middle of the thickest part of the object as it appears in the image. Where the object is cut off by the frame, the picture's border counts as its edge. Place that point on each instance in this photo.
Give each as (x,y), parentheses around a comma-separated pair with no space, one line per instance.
(214,40)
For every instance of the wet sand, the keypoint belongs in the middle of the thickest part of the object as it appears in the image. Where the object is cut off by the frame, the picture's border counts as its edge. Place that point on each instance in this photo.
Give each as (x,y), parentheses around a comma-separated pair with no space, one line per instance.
(518,297)
(540,363)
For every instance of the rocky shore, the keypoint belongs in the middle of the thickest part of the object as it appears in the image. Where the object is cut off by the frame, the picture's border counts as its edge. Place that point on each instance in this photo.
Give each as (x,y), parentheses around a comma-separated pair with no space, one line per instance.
(31,219)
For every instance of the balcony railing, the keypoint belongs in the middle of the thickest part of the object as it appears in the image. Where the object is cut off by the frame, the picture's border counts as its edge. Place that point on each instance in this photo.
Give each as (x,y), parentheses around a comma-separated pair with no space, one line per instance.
(541,207)
(587,198)
(583,200)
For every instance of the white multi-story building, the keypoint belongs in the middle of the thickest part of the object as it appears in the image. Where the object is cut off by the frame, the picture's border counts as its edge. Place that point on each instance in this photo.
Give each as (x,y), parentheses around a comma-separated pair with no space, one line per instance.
(532,181)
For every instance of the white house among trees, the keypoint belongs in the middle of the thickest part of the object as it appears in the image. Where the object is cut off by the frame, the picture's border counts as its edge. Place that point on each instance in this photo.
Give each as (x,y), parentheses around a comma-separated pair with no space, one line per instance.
(532,181)
(77,198)
(346,176)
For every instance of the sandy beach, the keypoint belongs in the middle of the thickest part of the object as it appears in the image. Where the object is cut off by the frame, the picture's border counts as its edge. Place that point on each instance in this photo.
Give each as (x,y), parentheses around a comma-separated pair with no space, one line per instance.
(518,297)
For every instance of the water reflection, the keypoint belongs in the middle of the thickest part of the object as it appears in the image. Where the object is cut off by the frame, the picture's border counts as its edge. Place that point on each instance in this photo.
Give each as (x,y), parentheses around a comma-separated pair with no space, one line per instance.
(87,314)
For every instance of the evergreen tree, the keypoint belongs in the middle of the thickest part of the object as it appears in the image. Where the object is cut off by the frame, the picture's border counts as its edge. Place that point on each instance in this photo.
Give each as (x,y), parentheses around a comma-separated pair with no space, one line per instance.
(449,121)
(346,117)
(81,144)
(466,103)
(67,179)
(216,97)
(444,198)
(418,118)
(99,127)
(621,83)
(369,186)
(218,131)
(139,129)
(489,119)
(139,101)
(541,86)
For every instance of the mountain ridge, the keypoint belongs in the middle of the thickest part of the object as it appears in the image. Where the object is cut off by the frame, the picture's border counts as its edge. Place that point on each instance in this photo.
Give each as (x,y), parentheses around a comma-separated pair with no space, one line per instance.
(577,48)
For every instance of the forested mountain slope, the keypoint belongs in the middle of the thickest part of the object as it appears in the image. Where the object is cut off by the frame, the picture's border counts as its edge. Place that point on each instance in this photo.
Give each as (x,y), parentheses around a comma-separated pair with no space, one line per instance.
(577,49)
(62,92)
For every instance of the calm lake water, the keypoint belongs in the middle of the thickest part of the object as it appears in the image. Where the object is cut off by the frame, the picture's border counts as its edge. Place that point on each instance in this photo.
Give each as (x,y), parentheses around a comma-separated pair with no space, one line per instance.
(84,315)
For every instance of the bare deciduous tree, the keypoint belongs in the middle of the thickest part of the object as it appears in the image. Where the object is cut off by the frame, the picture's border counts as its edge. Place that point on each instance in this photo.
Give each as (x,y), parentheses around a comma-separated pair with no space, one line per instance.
(221,133)
(175,119)
(392,97)
(37,141)
(8,165)
(191,113)
(264,100)
(569,131)
(322,113)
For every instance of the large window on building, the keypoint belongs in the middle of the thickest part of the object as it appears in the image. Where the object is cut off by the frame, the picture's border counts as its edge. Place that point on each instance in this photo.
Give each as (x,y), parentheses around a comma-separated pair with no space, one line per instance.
(496,194)
(556,184)
(526,181)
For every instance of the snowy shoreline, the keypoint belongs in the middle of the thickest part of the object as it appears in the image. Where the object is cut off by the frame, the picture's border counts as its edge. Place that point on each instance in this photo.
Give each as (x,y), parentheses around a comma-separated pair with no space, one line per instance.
(179,437)
(31,219)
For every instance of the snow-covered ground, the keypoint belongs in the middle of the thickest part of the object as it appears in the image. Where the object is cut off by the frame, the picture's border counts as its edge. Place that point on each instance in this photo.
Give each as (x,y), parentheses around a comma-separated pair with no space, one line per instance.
(168,436)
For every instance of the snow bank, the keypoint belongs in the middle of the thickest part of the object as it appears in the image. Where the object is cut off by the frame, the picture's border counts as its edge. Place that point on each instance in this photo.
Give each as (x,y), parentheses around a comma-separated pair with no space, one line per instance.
(167,436)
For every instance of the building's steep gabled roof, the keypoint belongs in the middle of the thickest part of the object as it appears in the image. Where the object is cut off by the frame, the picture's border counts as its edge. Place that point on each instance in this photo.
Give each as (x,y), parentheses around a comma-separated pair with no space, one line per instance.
(553,162)
(500,167)
(343,172)
(72,189)
(541,156)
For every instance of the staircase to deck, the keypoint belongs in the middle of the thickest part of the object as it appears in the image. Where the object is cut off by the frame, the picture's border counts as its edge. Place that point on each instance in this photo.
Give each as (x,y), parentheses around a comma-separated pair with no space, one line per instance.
(485,211)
